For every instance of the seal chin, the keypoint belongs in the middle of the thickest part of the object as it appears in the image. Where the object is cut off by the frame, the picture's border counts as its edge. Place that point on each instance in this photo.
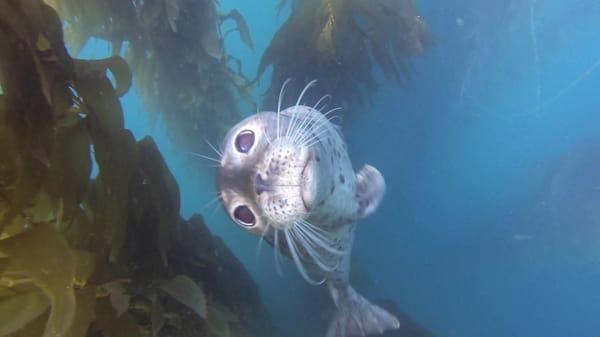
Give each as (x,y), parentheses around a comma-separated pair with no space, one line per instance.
(308,184)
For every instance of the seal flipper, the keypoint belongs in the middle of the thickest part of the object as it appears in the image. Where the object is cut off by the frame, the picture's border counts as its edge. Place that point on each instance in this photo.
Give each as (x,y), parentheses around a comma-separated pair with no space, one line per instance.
(356,316)
(370,187)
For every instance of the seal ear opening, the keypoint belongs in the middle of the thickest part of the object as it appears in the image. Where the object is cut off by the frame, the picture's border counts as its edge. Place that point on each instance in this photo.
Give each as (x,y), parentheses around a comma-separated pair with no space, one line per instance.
(370,188)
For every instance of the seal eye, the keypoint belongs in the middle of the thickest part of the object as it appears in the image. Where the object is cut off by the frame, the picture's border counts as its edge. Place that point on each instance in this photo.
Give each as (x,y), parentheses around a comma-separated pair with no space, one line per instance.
(244,216)
(244,141)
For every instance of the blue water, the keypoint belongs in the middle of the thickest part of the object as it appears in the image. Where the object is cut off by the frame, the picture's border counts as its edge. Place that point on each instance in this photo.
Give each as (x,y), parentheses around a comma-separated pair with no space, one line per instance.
(491,152)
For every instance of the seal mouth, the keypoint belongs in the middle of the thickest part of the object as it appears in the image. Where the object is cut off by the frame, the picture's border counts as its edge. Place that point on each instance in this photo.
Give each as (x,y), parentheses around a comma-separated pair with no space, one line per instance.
(305,182)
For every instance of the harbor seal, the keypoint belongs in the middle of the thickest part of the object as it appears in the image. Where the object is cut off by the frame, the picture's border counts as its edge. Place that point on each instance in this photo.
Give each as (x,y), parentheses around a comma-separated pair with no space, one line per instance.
(287,177)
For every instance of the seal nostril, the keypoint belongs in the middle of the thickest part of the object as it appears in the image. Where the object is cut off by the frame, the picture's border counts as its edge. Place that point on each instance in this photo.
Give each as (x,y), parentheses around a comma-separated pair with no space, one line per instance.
(259,184)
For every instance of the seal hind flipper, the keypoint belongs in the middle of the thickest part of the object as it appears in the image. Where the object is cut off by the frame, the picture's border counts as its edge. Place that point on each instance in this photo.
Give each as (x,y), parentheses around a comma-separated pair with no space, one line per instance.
(370,187)
(356,316)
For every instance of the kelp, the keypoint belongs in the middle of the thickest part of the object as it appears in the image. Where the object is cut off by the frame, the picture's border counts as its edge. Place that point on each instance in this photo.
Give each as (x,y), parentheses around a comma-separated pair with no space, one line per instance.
(97,256)
(181,71)
(342,43)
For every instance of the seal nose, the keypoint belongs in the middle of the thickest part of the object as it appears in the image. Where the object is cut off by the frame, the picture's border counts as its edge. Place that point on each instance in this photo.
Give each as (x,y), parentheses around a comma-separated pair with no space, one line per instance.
(259,184)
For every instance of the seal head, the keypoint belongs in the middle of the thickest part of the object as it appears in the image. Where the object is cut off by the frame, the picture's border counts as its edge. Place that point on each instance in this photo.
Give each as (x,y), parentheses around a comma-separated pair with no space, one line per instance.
(264,179)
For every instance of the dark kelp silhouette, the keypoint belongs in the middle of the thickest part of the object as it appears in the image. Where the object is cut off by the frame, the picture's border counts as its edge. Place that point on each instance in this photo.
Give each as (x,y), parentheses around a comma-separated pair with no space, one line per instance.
(105,256)
(175,48)
(339,43)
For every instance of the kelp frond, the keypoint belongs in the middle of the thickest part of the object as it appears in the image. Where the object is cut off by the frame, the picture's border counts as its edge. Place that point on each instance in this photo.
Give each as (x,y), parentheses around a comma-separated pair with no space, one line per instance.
(105,256)
(341,43)
(182,72)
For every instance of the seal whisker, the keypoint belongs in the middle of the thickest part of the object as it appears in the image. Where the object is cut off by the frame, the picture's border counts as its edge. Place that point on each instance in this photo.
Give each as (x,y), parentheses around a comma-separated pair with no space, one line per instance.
(205,157)
(310,128)
(314,139)
(265,132)
(311,118)
(312,250)
(306,123)
(277,252)
(318,125)
(281,93)
(323,242)
(211,202)
(310,134)
(313,227)
(293,120)
(310,84)
(260,241)
(321,100)
(297,260)
(322,236)
(332,110)
(219,153)
(315,122)
(301,127)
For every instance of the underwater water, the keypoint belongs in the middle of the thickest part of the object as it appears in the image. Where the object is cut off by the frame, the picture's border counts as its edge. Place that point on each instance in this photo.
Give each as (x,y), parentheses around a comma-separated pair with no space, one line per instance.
(490,225)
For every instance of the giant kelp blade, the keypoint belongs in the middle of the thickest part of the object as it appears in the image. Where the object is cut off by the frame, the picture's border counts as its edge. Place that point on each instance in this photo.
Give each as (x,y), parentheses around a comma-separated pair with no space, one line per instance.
(30,129)
(342,43)
(85,314)
(67,179)
(114,147)
(115,64)
(66,233)
(112,326)
(19,310)
(164,191)
(44,256)
(187,292)
(242,27)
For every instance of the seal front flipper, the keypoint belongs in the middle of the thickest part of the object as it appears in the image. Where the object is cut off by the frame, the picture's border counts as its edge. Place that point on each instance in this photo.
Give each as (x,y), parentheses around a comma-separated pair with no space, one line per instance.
(370,188)
(356,316)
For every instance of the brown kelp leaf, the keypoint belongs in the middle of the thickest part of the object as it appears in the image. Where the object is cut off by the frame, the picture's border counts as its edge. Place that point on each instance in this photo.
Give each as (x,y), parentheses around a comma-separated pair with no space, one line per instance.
(212,44)
(157,315)
(33,328)
(242,27)
(114,157)
(30,136)
(210,39)
(119,297)
(164,190)
(112,326)
(114,150)
(85,314)
(341,43)
(85,265)
(97,68)
(7,292)
(186,291)
(16,311)
(219,319)
(45,257)
(14,16)
(98,96)
(3,264)
(68,177)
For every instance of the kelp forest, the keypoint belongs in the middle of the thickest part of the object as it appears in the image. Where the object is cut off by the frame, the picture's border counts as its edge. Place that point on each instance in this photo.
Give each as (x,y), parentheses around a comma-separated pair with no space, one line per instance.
(108,254)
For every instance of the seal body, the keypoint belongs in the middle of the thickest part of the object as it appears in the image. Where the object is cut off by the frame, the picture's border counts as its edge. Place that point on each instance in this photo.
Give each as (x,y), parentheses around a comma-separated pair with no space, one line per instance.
(287,177)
